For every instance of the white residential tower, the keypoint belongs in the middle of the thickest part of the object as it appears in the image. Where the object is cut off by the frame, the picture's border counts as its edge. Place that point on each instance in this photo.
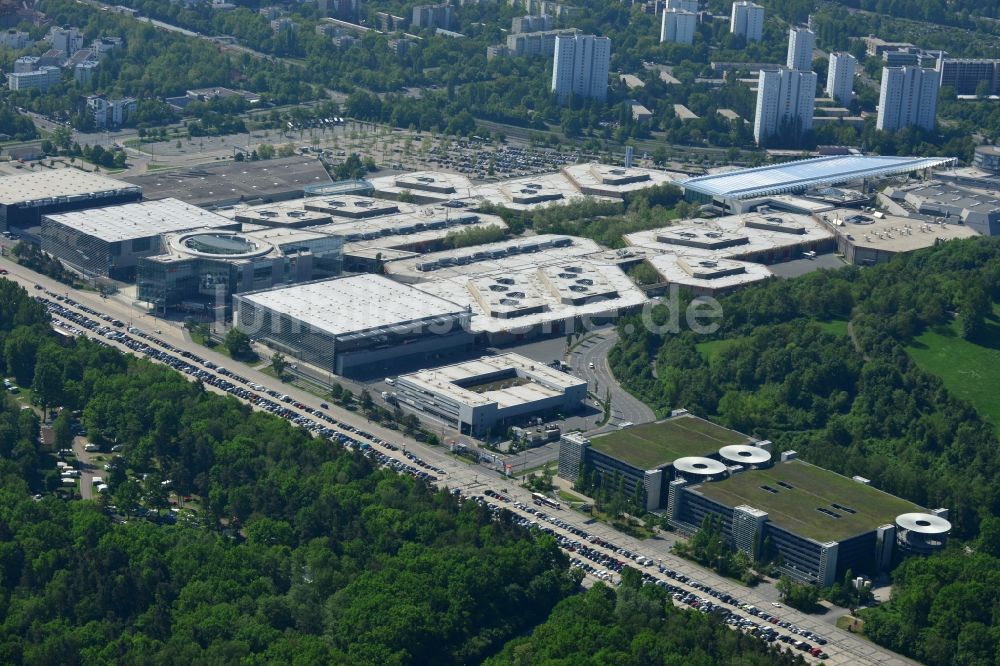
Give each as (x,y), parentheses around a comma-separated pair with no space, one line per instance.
(840,77)
(908,97)
(785,99)
(686,5)
(677,26)
(580,66)
(747,20)
(800,49)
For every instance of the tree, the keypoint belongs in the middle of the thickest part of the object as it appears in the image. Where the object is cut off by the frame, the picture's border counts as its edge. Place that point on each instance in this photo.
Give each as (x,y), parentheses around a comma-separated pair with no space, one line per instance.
(410,424)
(279,364)
(47,385)
(19,353)
(238,344)
(365,400)
(802,597)
(128,496)
(62,430)
(265,151)
(974,307)
(336,391)
(154,492)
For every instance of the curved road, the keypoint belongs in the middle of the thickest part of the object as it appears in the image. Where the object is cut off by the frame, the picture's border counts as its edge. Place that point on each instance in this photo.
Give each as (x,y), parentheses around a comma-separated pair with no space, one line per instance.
(625,407)
(844,648)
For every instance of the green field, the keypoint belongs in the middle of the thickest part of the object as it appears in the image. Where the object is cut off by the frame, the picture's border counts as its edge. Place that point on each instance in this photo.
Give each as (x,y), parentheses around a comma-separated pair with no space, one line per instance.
(836,327)
(654,444)
(795,508)
(971,371)
(710,350)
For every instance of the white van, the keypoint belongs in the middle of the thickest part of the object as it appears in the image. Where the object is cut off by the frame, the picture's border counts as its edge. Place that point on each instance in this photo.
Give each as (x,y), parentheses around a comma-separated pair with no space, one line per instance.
(390,381)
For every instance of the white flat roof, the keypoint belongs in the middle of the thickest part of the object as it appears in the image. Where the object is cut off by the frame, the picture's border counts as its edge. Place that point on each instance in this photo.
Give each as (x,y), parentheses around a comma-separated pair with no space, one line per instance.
(541,300)
(354,304)
(614,181)
(441,181)
(893,233)
(778,230)
(529,192)
(291,212)
(545,382)
(392,242)
(407,228)
(502,256)
(55,183)
(800,174)
(708,274)
(524,192)
(139,220)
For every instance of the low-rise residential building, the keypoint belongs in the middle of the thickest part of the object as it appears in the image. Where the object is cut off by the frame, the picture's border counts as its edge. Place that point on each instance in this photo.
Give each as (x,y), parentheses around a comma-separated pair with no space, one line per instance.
(42,79)
(110,112)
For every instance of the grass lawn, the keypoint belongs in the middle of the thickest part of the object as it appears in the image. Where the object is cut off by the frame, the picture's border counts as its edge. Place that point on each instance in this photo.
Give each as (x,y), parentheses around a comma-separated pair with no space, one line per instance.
(291,380)
(970,370)
(567,496)
(713,348)
(836,327)
(853,624)
(654,444)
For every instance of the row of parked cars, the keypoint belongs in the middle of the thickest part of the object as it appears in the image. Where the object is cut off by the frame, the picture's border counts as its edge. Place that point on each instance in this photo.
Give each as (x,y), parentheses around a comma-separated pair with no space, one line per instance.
(198,368)
(585,554)
(600,564)
(505,161)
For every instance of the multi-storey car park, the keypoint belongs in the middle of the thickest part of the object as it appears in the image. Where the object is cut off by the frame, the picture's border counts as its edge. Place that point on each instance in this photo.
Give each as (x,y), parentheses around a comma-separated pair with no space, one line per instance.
(364,325)
(815,523)
(25,198)
(642,457)
(476,396)
(231,183)
(921,532)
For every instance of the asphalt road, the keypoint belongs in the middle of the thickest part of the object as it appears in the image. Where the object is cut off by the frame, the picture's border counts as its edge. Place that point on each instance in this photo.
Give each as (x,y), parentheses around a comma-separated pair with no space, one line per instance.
(844,648)
(88,469)
(625,408)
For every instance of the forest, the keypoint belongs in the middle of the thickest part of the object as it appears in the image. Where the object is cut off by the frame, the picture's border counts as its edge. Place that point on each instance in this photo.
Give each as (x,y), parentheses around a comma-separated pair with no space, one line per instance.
(781,367)
(326,559)
(635,624)
(301,551)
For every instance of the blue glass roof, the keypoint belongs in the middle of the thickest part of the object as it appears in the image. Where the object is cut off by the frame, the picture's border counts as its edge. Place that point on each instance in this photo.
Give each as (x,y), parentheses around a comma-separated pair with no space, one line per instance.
(801,174)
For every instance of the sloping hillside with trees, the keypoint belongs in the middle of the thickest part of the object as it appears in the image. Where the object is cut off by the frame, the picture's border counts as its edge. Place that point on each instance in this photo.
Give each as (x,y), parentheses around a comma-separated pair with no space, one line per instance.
(819,365)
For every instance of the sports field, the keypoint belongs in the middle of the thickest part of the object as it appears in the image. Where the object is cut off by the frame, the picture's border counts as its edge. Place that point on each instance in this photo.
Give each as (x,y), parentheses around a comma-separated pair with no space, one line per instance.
(971,371)
(793,492)
(654,444)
